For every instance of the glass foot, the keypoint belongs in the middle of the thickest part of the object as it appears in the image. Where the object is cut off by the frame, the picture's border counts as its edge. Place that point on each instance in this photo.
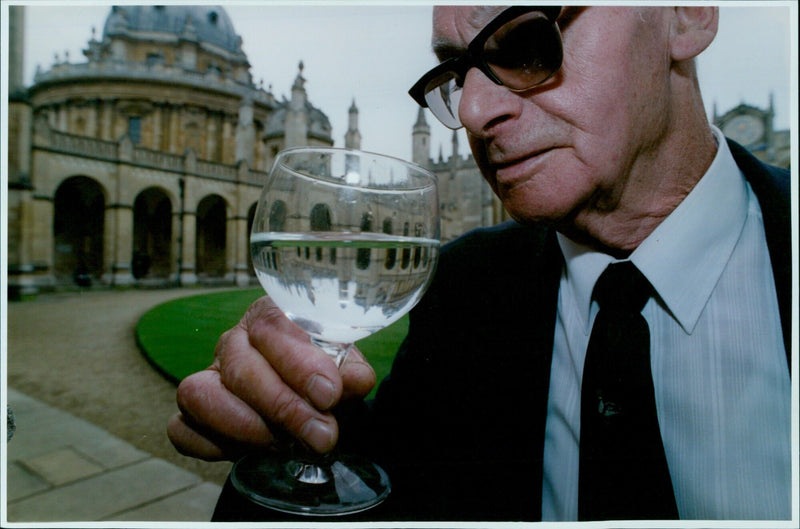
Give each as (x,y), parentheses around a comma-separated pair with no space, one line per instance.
(340,485)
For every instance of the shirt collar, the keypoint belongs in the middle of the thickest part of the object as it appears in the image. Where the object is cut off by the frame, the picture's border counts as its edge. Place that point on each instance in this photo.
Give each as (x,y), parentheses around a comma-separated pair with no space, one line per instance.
(685,255)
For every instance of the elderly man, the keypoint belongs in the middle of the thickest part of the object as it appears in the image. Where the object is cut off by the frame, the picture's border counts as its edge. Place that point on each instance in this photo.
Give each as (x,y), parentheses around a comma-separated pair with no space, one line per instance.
(528,388)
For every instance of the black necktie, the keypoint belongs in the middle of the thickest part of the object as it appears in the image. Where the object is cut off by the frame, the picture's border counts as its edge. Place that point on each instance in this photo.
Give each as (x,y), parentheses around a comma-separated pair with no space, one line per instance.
(623,469)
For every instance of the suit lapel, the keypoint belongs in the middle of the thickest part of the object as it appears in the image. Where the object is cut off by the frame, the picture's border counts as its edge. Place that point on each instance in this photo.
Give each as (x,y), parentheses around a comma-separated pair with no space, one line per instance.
(772,188)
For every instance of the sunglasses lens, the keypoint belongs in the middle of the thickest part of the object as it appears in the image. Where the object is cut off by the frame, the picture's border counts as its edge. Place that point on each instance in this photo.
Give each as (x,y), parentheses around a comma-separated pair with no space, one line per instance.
(443,95)
(520,54)
(524,52)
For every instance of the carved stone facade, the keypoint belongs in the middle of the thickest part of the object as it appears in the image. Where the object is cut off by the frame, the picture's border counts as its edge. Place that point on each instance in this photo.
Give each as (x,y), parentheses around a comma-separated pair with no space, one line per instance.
(143,165)
(466,200)
(753,128)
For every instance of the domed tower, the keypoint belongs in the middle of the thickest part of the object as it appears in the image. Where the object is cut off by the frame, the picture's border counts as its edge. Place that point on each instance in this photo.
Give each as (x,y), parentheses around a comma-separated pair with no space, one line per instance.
(146,160)
(194,38)
(170,77)
(296,122)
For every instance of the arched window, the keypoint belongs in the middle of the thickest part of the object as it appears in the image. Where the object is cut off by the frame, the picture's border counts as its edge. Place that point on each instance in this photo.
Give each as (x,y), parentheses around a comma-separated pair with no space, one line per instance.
(321,221)
(135,128)
(277,216)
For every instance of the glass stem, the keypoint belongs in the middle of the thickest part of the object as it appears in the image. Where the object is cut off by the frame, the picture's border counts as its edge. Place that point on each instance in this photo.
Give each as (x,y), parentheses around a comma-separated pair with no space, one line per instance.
(337,351)
(305,465)
(310,468)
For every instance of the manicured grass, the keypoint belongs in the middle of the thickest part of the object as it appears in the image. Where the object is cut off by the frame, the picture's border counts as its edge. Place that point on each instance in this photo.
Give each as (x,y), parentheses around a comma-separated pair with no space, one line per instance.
(178,337)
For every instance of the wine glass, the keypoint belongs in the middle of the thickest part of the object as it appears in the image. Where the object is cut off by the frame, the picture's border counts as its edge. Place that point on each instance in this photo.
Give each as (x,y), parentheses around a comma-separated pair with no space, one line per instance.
(345,242)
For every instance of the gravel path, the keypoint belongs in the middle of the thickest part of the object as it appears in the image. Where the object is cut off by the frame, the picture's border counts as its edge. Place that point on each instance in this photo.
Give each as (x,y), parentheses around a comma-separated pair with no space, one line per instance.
(77,352)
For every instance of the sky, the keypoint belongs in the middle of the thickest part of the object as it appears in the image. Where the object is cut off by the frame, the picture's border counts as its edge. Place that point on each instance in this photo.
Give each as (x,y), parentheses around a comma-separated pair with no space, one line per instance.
(372,53)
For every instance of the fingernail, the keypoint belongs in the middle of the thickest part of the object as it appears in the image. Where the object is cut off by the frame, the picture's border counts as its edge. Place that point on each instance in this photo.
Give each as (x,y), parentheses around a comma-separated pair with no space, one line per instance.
(321,392)
(318,435)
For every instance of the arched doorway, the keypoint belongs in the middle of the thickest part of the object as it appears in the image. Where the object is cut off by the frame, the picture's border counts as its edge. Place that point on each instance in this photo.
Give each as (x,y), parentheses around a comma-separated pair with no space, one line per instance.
(152,234)
(78,221)
(211,237)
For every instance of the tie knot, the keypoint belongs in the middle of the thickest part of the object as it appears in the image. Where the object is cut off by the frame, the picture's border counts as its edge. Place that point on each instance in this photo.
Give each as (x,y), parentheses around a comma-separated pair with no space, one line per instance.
(622,286)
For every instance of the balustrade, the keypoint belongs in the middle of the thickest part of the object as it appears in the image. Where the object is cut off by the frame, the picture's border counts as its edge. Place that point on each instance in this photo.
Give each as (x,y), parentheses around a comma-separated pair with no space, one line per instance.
(109,151)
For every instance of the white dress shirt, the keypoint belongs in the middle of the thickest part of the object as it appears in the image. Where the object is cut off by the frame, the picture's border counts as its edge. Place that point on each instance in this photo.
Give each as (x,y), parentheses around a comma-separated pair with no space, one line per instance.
(722,385)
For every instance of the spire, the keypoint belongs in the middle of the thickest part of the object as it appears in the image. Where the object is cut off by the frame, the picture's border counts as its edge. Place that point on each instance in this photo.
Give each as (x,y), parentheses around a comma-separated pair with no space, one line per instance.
(421,122)
(420,140)
(352,122)
(454,159)
(352,138)
(297,117)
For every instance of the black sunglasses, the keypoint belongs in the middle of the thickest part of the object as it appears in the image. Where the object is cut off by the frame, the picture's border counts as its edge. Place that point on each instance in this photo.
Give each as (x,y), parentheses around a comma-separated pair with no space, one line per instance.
(519,49)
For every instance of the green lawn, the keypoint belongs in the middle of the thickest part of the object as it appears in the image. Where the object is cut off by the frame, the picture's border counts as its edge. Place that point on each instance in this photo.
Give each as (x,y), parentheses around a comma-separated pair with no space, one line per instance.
(178,336)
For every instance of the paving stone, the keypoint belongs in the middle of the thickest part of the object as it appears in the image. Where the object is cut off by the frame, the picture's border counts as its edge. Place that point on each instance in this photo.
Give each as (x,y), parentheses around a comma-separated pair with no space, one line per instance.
(22,482)
(105,495)
(195,504)
(110,451)
(62,466)
(34,419)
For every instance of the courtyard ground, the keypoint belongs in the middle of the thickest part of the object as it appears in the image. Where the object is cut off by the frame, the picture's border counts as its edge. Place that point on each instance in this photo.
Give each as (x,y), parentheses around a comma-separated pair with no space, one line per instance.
(77,352)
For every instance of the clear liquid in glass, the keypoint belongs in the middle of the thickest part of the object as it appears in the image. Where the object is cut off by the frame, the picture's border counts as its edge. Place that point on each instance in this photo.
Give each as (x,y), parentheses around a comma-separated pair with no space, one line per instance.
(341,287)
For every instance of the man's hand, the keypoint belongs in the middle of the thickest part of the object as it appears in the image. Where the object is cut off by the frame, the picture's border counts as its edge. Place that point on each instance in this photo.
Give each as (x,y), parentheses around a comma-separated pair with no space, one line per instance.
(267,377)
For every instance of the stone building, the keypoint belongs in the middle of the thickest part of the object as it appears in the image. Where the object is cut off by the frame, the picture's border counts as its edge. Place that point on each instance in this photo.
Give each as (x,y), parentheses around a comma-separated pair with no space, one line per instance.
(466,200)
(753,128)
(143,164)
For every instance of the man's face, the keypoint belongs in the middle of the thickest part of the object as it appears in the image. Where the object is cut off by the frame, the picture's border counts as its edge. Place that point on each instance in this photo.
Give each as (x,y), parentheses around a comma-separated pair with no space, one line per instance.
(574,147)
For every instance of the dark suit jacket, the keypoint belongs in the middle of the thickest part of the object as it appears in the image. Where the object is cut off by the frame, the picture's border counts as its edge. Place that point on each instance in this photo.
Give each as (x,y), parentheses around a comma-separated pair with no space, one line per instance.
(459,423)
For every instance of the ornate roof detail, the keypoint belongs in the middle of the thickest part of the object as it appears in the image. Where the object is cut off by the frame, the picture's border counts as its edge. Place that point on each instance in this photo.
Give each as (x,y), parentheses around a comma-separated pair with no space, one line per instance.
(200,23)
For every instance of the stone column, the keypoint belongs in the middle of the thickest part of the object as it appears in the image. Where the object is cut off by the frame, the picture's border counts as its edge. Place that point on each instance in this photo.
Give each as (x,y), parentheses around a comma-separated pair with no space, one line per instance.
(176,255)
(156,140)
(239,234)
(117,244)
(91,118)
(106,112)
(188,268)
(242,245)
(174,130)
(188,237)
(118,225)
(33,270)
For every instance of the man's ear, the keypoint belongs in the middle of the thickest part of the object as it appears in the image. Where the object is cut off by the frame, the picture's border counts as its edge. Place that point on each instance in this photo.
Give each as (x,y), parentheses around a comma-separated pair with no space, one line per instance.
(693,29)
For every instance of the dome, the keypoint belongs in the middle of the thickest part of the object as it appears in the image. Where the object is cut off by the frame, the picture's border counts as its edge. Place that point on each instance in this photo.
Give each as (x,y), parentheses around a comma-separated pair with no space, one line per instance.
(203,23)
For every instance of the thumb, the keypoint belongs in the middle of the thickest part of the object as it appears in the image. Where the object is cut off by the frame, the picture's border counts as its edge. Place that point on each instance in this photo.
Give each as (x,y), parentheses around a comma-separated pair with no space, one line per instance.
(358,377)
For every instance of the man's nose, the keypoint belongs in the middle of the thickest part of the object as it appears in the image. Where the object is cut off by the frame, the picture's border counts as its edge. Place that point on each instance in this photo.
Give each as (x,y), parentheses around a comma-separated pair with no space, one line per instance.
(485,104)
